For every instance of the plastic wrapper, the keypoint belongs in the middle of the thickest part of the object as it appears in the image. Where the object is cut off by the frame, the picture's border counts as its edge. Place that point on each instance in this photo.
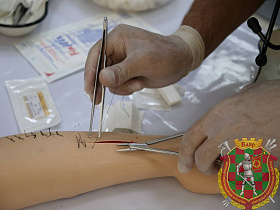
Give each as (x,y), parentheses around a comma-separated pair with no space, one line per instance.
(33,104)
(152,99)
(123,117)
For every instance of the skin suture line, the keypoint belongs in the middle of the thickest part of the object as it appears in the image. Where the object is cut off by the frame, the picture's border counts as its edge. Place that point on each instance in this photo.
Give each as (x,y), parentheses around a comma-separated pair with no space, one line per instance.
(58,134)
(80,140)
(34,134)
(31,134)
(43,134)
(10,139)
(50,132)
(19,137)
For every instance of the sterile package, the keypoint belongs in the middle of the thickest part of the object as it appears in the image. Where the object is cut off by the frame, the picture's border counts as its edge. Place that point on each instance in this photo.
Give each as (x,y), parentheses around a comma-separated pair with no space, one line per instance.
(123,117)
(160,99)
(62,51)
(33,104)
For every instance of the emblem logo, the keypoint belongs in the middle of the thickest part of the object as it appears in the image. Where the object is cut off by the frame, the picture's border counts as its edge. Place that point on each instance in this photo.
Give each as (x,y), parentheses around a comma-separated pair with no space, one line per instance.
(248,179)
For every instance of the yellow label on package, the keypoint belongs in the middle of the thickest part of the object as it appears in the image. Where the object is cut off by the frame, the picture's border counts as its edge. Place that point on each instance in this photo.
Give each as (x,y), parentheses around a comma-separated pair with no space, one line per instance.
(36,105)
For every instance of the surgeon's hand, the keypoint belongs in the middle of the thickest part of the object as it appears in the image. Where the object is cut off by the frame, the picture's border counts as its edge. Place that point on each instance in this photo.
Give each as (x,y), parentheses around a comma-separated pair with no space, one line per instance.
(138,59)
(252,113)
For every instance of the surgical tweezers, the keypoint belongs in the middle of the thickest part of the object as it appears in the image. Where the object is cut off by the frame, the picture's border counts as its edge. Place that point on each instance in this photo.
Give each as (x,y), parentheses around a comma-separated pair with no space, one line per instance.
(100,66)
(145,146)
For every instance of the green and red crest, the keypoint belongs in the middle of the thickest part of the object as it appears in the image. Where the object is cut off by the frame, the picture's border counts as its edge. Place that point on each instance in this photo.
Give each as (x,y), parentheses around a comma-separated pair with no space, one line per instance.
(266,177)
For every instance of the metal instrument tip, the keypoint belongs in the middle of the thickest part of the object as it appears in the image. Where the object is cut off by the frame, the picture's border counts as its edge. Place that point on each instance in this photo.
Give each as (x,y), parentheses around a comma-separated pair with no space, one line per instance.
(105,23)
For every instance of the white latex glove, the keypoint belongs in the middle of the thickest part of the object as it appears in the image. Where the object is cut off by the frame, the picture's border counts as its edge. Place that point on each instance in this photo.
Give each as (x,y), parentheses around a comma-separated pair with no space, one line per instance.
(252,113)
(140,59)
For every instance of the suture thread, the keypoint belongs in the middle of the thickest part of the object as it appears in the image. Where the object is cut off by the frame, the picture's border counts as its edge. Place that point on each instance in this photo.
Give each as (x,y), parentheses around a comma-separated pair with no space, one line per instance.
(80,141)
(10,139)
(58,134)
(19,137)
(31,134)
(108,108)
(122,106)
(50,132)
(43,134)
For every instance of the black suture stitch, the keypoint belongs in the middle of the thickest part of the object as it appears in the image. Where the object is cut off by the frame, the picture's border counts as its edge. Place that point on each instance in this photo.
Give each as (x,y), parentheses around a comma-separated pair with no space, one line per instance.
(58,134)
(31,134)
(19,137)
(43,134)
(80,140)
(50,132)
(10,139)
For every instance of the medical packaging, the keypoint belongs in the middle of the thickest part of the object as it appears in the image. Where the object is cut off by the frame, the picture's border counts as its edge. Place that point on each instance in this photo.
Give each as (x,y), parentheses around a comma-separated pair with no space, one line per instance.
(33,104)
(124,117)
(160,99)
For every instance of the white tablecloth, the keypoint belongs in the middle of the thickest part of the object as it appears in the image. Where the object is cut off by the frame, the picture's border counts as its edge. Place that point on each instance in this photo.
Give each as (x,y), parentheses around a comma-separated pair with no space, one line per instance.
(222,74)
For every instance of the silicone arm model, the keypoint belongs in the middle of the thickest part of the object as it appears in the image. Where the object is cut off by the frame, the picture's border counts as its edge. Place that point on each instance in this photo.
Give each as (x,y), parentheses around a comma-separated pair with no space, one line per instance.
(41,169)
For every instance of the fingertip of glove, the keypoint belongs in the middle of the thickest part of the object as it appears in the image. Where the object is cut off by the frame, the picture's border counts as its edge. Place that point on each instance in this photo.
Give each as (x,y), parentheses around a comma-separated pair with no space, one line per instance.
(182,168)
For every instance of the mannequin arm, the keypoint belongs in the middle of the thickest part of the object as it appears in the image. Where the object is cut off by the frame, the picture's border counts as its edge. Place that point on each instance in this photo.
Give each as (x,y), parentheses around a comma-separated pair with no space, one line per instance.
(36,170)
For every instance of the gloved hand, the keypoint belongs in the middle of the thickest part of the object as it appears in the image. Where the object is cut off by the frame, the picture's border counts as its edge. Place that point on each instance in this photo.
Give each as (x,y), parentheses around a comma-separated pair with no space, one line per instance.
(252,113)
(140,59)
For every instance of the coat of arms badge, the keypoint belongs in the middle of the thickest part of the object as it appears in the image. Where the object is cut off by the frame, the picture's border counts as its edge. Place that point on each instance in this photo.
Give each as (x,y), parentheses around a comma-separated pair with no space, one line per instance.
(248,179)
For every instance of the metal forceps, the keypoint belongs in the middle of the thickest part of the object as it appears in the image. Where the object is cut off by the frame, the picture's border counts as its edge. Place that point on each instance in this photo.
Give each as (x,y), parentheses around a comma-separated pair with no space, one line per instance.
(145,146)
(100,66)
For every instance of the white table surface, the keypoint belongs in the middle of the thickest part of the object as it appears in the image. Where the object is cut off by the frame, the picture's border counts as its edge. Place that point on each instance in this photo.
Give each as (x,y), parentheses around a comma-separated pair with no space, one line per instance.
(221,75)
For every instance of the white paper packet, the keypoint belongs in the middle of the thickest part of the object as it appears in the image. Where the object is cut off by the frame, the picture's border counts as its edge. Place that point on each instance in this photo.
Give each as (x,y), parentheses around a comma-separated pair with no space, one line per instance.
(33,104)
